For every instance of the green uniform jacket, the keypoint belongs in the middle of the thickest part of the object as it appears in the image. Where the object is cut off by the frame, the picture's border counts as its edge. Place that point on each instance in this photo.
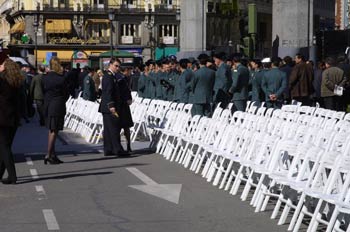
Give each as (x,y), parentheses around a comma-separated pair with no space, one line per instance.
(36,88)
(240,83)
(89,92)
(141,86)
(152,85)
(257,92)
(171,77)
(202,86)
(274,82)
(223,81)
(183,86)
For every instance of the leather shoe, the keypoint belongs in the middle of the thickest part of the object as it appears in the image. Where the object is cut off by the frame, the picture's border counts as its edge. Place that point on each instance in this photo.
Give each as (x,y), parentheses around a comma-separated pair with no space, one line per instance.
(124,153)
(7,181)
(109,154)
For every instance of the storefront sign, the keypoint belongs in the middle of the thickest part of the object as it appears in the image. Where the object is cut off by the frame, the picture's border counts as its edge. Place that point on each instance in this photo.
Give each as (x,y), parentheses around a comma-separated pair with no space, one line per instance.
(73,40)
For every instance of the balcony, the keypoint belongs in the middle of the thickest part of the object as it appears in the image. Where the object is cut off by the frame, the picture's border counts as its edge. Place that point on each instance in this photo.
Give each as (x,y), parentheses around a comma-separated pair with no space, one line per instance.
(129,8)
(124,40)
(62,7)
(165,8)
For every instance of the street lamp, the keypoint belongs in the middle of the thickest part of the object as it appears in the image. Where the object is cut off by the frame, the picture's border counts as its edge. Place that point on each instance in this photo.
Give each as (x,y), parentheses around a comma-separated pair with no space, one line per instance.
(178,19)
(149,24)
(35,26)
(111,17)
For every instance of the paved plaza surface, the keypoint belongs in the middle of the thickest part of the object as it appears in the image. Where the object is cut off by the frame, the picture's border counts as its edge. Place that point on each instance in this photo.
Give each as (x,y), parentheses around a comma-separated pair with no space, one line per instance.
(90,192)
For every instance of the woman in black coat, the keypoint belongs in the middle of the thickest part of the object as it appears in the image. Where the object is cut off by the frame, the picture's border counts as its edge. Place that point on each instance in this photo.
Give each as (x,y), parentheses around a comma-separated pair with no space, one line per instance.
(55,96)
(11,80)
(125,114)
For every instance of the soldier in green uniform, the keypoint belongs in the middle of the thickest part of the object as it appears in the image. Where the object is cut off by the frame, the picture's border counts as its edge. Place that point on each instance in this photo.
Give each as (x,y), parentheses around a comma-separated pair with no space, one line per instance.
(202,88)
(274,84)
(155,78)
(168,82)
(89,91)
(142,82)
(223,80)
(257,74)
(240,83)
(184,82)
(151,81)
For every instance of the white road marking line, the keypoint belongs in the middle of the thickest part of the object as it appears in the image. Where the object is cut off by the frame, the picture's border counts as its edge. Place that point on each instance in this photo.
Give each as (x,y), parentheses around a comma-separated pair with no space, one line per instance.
(34,173)
(29,161)
(50,219)
(41,192)
(145,179)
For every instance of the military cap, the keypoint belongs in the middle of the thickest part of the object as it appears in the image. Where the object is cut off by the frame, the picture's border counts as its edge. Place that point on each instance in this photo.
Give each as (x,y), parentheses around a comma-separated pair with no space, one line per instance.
(220,55)
(184,61)
(203,56)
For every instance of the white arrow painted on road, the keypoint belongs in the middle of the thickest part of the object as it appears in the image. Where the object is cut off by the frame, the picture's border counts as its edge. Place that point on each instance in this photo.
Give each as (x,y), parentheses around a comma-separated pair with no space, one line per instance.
(169,192)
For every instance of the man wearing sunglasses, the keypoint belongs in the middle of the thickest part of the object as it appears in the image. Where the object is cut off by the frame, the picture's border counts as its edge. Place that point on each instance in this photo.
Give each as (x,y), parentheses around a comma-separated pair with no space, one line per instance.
(110,108)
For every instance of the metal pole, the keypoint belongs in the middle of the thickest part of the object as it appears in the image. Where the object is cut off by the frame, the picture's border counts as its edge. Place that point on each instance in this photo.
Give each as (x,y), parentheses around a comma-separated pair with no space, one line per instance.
(151,43)
(36,47)
(308,29)
(111,38)
(203,15)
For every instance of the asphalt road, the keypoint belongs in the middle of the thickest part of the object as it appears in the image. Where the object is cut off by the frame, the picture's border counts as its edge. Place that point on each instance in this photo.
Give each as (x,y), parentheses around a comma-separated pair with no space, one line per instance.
(90,192)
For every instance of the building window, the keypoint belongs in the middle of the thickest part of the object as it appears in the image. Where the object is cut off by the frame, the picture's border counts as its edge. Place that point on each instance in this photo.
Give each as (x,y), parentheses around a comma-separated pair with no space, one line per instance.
(99,31)
(168,33)
(99,3)
(168,30)
(130,33)
(167,2)
(129,30)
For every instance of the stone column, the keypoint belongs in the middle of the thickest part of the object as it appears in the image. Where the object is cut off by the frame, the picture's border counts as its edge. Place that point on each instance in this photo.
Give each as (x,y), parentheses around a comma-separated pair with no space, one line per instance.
(192,27)
(290,27)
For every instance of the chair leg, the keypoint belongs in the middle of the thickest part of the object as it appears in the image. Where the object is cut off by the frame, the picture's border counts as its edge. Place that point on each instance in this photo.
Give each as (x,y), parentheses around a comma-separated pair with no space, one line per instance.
(277,207)
(227,172)
(296,212)
(332,221)
(300,219)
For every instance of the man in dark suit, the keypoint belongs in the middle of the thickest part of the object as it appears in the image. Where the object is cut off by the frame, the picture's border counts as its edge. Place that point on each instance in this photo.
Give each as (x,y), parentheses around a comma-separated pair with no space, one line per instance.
(240,82)
(202,88)
(300,81)
(110,107)
(223,80)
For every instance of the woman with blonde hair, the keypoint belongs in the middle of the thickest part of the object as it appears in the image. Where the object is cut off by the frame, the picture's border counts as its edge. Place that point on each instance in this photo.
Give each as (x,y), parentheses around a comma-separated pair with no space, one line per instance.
(98,82)
(55,96)
(11,80)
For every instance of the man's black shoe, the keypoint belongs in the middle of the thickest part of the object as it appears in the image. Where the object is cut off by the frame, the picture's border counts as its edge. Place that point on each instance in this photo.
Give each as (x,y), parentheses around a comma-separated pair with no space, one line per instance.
(109,154)
(124,153)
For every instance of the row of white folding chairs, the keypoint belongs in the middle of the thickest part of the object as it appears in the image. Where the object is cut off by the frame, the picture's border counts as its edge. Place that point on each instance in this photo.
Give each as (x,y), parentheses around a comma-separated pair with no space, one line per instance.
(149,114)
(83,117)
(240,172)
(236,185)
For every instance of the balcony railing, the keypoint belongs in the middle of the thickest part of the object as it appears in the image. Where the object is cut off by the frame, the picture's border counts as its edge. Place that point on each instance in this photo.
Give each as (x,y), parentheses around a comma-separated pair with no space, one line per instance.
(66,7)
(165,8)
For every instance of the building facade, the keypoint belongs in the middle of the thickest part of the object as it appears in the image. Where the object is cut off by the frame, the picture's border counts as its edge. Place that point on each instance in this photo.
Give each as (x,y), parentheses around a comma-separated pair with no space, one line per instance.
(342,14)
(76,29)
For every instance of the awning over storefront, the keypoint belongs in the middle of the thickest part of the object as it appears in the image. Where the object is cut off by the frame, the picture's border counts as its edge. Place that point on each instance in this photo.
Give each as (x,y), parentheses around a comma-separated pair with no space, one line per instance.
(96,21)
(58,26)
(19,27)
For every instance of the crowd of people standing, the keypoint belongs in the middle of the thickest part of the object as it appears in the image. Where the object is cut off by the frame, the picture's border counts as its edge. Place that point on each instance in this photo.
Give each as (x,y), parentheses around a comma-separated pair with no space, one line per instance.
(48,91)
(223,78)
